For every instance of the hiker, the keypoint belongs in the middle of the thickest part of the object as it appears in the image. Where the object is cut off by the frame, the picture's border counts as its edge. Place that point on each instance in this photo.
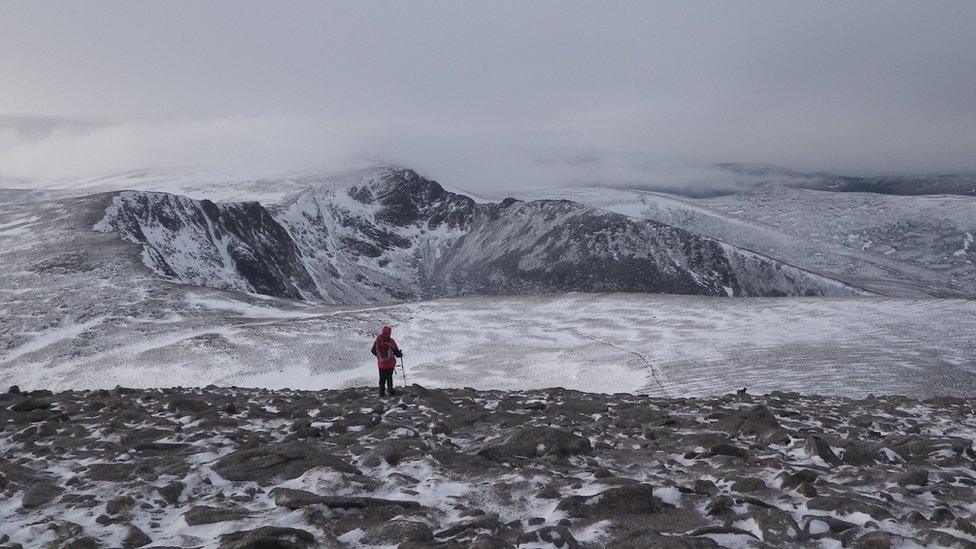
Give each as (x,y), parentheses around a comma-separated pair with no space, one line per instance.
(386,352)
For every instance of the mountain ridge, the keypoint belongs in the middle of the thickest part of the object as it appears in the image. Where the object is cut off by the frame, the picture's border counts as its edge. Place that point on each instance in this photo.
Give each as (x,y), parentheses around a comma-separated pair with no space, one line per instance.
(395,235)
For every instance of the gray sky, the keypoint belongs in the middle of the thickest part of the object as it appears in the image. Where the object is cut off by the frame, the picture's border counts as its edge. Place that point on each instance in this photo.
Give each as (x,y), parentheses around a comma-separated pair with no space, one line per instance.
(490,94)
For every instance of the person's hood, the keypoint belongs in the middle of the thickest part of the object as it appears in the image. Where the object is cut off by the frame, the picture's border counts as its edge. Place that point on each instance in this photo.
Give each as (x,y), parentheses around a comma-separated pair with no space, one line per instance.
(386,331)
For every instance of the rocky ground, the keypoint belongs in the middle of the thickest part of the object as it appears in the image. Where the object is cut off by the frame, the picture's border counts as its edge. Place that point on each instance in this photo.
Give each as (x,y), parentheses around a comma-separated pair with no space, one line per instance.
(236,468)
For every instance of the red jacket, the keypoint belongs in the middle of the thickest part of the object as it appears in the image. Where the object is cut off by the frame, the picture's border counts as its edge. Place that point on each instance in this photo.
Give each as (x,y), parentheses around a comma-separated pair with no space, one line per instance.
(385,350)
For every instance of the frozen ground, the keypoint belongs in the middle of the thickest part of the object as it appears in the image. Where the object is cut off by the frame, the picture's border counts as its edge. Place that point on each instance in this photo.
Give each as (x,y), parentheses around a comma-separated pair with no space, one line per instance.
(654,344)
(458,468)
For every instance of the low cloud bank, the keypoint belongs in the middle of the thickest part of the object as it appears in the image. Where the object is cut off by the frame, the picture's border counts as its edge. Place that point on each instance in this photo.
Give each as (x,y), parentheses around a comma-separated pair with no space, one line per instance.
(47,152)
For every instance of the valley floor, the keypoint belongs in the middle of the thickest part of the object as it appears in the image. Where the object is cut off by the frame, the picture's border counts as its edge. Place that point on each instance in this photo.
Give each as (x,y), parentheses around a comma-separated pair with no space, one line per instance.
(246,468)
(662,345)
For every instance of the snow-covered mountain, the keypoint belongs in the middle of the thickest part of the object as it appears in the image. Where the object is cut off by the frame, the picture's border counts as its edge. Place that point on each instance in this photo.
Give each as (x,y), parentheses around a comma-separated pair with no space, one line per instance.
(887,244)
(186,294)
(392,235)
(770,176)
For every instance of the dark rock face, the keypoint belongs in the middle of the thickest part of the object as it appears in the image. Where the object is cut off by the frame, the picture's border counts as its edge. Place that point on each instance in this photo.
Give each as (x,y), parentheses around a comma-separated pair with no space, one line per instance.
(242,238)
(409,239)
(489,469)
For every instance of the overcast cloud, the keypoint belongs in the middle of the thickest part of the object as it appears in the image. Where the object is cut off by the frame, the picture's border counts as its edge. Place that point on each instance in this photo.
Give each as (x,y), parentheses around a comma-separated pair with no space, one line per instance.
(494,95)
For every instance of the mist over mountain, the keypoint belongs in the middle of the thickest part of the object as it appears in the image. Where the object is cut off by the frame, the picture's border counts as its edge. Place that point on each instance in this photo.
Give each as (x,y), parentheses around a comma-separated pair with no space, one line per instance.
(47,151)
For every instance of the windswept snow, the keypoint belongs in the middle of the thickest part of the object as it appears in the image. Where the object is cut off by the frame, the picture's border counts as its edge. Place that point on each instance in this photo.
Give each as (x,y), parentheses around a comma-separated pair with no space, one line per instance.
(654,344)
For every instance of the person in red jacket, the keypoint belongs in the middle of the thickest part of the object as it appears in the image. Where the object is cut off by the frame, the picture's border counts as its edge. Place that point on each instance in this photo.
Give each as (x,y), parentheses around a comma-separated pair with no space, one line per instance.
(386,352)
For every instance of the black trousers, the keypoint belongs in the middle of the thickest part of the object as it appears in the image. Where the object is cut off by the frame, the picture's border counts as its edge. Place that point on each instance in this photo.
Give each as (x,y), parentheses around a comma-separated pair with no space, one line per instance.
(386,380)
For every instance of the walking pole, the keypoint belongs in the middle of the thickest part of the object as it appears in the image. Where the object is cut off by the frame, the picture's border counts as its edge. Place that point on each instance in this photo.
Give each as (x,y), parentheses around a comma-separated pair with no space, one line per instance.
(403,370)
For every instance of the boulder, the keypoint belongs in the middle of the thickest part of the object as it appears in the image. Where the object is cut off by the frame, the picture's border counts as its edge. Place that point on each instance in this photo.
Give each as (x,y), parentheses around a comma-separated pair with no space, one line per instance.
(296,499)
(187,404)
(465,464)
(635,499)
(816,446)
(914,477)
(469,526)
(70,536)
(846,505)
(825,524)
(534,442)
(482,542)
(792,481)
(556,536)
(201,514)
(40,494)
(268,537)
(110,472)
(705,487)
(938,538)
(119,505)
(884,540)
(859,454)
(286,460)
(757,421)
(392,452)
(724,449)
(778,527)
(171,492)
(30,404)
(649,537)
(134,537)
(718,505)
(398,531)
(748,484)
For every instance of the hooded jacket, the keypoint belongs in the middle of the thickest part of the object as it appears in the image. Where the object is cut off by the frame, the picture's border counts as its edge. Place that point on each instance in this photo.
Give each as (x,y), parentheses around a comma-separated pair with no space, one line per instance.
(385,350)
